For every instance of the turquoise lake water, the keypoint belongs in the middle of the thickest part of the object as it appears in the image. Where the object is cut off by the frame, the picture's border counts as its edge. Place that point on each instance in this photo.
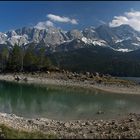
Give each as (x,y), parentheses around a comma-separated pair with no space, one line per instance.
(64,103)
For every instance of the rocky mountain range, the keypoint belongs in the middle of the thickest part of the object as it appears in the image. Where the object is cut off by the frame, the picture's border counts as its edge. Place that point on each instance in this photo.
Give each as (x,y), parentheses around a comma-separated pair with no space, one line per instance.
(122,38)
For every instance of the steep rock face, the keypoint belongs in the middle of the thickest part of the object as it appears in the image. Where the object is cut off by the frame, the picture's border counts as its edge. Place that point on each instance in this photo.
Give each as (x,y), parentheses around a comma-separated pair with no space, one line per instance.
(22,36)
(106,33)
(74,34)
(90,33)
(53,36)
(125,31)
(17,39)
(128,38)
(74,44)
(122,38)
(3,38)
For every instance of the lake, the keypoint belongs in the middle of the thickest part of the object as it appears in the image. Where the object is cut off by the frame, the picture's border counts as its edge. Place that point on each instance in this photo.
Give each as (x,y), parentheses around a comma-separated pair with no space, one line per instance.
(64,103)
(134,79)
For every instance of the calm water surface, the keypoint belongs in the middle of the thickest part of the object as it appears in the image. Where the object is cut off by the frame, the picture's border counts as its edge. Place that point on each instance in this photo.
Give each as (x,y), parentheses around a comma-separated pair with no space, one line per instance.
(63,103)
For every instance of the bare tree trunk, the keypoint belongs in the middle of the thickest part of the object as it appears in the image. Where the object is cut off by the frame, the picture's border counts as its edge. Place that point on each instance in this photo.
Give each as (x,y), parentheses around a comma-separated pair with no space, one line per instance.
(21,62)
(22,57)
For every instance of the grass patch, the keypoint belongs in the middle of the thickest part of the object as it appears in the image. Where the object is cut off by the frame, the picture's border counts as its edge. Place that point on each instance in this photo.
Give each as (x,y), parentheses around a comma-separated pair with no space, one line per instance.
(10,133)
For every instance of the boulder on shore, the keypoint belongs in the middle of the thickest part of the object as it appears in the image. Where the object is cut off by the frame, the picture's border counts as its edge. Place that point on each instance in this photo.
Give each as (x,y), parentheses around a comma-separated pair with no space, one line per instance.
(17,78)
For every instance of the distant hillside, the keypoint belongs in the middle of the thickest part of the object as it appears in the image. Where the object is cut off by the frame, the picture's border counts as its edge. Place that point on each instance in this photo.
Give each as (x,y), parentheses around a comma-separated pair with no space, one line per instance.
(99,59)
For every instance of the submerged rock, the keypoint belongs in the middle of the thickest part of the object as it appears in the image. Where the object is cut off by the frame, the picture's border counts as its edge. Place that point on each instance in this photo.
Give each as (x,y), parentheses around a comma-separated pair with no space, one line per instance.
(100,112)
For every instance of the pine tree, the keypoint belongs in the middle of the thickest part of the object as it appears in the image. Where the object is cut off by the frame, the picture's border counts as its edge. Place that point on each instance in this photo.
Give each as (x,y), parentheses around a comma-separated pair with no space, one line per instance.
(22,57)
(4,57)
(30,58)
(15,58)
(41,58)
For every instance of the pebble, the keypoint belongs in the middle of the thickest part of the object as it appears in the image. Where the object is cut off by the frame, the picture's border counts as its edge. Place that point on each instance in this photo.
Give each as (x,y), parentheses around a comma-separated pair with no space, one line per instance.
(128,127)
(67,125)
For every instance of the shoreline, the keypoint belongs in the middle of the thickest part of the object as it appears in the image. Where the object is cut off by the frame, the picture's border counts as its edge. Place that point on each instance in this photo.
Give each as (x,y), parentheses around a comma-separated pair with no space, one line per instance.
(126,127)
(86,84)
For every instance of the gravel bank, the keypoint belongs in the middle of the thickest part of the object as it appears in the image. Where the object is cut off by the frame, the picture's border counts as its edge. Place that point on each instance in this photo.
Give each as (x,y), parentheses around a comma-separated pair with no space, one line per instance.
(62,80)
(126,127)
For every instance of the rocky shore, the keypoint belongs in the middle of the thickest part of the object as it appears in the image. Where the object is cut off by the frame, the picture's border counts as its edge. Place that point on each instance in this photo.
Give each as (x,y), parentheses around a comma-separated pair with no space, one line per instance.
(126,127)
(87,80)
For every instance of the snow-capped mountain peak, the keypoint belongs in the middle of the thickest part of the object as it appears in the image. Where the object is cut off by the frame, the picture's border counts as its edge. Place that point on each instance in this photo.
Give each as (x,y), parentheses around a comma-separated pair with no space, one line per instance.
(123,38)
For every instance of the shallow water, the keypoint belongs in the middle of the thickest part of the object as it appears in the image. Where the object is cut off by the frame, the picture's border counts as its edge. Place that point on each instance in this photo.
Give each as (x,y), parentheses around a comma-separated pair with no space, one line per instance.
(64,103)
(135,79)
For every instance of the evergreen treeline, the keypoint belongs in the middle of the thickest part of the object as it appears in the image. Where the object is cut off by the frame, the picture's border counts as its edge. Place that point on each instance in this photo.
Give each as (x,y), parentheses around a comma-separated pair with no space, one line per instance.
(92,59)
(19,59)
(99,59)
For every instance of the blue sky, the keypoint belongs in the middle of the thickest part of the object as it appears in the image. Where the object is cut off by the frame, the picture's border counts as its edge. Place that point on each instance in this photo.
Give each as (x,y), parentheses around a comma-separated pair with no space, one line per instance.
(65,14)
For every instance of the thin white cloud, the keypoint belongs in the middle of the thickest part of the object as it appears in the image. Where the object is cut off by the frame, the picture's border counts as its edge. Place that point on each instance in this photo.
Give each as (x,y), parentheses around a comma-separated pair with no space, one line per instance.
(131,18)
(44,24)
(63,19)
